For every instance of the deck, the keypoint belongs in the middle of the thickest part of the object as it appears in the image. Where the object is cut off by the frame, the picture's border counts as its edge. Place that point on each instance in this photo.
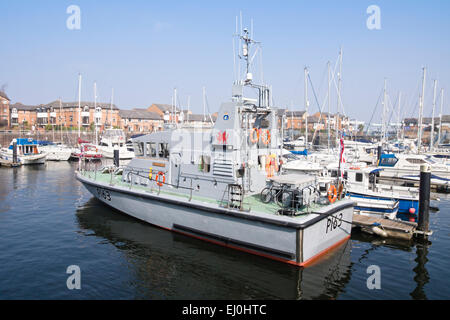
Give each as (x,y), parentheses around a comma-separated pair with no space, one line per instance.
(251,203)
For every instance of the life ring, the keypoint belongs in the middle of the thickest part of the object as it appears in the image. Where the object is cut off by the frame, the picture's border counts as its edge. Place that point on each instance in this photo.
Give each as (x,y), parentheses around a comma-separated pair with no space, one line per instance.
(150,173)
(253,138)
(159,183)
(332,194)
(265,137)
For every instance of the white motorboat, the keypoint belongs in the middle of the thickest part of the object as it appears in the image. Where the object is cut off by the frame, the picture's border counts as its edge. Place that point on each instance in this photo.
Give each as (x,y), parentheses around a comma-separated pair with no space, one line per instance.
(28,152)
(407,166)
(56,151)
(114,139)
(362,185)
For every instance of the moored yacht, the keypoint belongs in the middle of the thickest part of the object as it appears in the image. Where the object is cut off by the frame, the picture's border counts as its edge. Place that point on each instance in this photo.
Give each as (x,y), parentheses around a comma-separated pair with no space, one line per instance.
(28,152)
(362,185)
(114,139)
(56,151)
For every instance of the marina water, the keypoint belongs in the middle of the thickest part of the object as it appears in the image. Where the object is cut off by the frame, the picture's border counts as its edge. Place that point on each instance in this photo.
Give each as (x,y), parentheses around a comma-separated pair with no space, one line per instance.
(49,221)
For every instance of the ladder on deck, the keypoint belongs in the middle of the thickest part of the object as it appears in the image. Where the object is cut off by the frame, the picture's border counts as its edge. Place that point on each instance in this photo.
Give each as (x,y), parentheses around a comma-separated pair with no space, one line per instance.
(235,196)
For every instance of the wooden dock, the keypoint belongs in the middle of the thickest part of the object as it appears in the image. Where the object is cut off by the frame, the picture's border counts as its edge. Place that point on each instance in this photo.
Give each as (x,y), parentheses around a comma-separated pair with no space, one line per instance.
(386,228)
(8,163)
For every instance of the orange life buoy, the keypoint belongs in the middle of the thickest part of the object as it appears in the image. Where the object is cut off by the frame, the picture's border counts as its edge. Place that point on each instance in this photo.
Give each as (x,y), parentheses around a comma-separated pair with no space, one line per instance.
(332,194)
(159,183)
(254,138)
(265,137)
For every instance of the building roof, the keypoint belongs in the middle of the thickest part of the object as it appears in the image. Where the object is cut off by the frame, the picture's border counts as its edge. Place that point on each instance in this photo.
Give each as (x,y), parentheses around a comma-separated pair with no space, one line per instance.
(139,114)
(20,106)
(3,95)
(64,105)
(295,114)
(164,107)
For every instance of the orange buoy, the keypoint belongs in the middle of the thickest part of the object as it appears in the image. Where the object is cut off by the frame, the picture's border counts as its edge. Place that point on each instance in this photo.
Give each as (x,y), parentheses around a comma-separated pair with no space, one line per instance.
(332,194)
(158,182)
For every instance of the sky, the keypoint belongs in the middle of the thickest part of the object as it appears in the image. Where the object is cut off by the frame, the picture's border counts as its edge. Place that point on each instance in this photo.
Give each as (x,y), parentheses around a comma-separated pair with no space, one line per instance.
(145,49)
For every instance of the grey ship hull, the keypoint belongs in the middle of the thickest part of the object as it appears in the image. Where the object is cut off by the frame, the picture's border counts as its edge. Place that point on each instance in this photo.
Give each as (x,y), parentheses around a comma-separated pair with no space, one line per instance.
(292,240)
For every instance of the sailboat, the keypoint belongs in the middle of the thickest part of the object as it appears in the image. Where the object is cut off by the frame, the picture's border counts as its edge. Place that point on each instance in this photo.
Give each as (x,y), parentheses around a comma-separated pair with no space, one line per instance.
(87,150)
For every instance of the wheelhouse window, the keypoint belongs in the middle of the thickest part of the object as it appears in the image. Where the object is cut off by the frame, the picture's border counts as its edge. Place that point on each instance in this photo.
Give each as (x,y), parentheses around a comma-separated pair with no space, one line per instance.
(359,177)
(164,150)
(204,164)
(415,161)
(151,149)
(139,149)
(388,161)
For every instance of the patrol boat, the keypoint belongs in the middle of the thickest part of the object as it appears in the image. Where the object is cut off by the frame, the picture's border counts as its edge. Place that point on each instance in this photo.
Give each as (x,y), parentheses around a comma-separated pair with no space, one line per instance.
(224,185)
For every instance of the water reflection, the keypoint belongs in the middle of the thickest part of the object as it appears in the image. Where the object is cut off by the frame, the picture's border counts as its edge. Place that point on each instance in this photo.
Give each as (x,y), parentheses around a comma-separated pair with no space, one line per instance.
(172,266)
(421,277)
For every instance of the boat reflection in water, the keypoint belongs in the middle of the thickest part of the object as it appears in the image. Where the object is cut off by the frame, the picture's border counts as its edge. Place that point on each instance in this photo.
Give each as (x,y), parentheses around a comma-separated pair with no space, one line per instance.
(420,247)
(166,265)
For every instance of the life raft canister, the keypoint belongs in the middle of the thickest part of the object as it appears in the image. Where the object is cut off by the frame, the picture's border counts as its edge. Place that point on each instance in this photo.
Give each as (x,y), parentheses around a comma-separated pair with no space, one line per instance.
(158,182)
(332,194)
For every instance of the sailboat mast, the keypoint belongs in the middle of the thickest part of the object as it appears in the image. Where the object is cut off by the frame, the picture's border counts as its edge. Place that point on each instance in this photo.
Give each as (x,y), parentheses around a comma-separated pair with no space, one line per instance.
(95,113)
(112,102)
(440,115)
(329,105)
(398,115)
(339,92)
(60,121)
(188,108)
(204,104)
(79,104)
(422,97)
(432,117)
(383,131)
(306,107)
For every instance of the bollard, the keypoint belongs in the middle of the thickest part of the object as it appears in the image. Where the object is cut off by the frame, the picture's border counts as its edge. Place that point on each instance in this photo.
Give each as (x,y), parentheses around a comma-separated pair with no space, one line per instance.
(14,151)
(116,157)
(424,199)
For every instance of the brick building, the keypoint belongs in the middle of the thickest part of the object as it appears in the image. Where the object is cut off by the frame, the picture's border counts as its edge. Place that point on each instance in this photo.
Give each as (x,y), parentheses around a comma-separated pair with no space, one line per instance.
(65,114)
(141,120)
(4,110)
